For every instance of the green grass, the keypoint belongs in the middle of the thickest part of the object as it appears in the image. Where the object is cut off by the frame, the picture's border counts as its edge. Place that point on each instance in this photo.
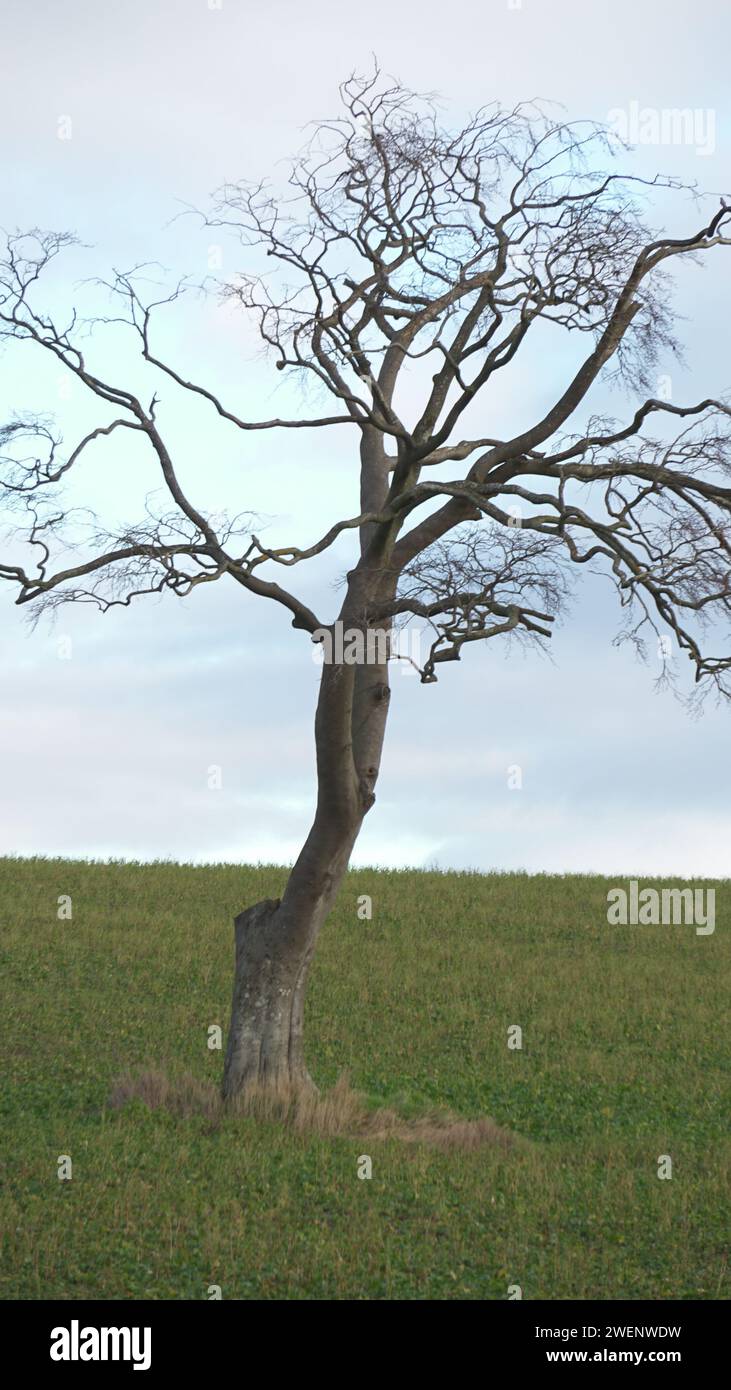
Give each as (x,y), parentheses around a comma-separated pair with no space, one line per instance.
(625,1058)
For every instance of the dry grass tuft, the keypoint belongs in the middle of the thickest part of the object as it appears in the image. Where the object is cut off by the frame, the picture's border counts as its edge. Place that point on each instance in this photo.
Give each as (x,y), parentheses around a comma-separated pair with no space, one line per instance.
(182,1095)
(341,1112)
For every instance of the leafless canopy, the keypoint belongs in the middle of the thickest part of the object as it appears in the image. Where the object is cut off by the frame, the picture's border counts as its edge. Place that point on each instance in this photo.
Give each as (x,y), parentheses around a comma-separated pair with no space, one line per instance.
(409,264)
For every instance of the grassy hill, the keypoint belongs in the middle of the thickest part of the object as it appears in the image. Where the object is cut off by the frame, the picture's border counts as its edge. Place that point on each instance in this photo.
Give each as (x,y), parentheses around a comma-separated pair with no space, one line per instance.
(625,1058)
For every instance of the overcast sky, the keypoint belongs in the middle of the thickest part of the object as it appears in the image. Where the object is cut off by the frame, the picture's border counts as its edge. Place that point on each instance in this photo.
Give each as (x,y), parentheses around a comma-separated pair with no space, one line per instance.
(110,724)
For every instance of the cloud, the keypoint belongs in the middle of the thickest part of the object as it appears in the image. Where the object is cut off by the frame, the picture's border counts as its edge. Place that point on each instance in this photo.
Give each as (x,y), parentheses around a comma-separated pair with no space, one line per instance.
(109,752)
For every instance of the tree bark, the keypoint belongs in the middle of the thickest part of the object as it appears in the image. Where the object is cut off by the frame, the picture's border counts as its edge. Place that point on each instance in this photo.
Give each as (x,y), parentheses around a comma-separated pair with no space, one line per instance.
(275,940)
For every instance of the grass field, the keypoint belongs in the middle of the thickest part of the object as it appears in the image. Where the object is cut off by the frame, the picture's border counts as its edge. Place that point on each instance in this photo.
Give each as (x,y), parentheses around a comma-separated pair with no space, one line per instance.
(624,1059)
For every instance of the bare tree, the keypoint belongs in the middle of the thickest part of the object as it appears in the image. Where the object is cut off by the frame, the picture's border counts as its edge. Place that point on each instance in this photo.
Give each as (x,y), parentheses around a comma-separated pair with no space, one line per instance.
(408,263)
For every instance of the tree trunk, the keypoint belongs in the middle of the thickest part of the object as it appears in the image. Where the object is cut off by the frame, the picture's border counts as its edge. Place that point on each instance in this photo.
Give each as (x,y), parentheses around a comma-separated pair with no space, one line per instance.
(275,940)
(265,1037)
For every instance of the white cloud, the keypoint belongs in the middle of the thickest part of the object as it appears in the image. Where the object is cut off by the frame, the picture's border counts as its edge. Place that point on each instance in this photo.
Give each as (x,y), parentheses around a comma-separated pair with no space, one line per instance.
(107,753)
